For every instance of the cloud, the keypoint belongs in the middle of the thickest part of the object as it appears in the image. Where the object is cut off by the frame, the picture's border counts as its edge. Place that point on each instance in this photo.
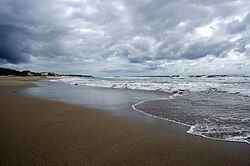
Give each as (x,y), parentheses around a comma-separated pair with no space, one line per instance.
(9,50)
(140,36)
(236,26)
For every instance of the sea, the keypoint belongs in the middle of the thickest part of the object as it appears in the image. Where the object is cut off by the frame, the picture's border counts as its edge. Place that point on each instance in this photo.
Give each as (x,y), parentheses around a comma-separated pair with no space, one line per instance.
(211,106)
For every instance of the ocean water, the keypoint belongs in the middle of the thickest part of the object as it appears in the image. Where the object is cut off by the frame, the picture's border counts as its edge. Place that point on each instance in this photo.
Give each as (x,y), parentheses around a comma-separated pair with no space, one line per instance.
(230,84)
(216,107)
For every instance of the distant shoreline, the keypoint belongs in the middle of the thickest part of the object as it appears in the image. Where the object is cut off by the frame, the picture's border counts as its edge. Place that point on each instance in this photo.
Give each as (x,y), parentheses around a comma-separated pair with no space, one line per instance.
(28,73)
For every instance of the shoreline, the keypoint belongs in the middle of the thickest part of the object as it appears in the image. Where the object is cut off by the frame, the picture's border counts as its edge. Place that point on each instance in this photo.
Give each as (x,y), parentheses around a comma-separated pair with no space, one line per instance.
(189,131)
(45,132)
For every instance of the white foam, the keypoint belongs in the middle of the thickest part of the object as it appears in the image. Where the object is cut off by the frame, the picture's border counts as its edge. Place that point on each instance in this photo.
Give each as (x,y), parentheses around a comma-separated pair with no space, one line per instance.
(229,139)
(239,85)
(192,130)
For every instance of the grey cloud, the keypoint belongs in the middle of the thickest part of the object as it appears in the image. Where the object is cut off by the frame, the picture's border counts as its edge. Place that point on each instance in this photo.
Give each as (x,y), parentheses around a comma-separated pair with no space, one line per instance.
(202,49)
(11,56)
(139,59)
(135,32)
(240,45)
(141,44)
(12,48)
(236,27)
(247,19)
(152,67)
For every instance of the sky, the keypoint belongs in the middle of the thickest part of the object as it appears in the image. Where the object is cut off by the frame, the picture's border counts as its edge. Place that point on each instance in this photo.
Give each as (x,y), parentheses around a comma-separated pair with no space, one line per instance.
(126,37)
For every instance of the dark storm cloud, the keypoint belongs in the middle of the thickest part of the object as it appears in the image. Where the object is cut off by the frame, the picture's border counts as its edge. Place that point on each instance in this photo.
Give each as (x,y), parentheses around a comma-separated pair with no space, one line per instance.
(11,48)
(84,32)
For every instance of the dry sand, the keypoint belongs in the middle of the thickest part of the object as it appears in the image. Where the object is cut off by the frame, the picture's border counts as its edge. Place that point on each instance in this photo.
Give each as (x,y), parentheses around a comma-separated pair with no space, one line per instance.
(35,131)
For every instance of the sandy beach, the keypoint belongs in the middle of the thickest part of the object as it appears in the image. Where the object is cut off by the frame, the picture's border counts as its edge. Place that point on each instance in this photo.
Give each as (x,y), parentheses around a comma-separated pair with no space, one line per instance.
(44,132)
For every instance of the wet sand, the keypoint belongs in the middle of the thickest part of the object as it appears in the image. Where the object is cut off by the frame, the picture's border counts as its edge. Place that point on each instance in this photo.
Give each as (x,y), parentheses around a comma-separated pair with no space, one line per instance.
(36,131)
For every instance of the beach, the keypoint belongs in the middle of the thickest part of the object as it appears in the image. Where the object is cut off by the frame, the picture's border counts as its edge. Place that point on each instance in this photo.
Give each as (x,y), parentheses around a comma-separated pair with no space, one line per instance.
(37,131)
